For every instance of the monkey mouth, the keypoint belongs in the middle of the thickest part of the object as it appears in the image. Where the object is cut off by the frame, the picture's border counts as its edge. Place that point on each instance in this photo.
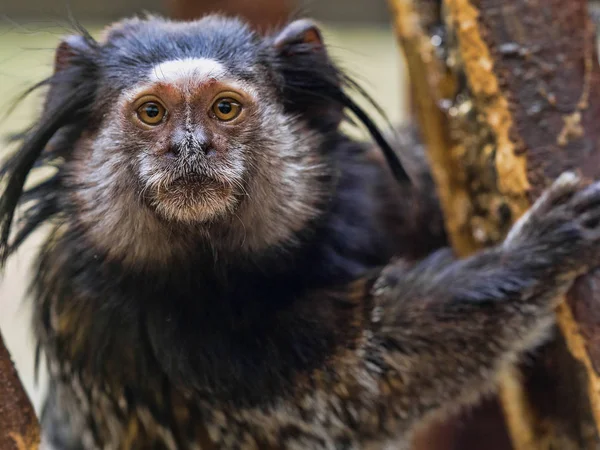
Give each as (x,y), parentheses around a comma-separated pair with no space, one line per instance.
(191,198)
(195,183)
(191,179)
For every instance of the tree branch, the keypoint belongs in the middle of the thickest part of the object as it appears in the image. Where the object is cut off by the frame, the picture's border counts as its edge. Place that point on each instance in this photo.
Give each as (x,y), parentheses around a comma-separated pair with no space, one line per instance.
(19,428)
(507,95)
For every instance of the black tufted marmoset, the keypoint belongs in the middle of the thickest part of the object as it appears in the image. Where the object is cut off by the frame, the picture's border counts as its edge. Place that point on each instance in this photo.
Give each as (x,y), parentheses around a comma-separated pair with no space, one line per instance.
(227,270)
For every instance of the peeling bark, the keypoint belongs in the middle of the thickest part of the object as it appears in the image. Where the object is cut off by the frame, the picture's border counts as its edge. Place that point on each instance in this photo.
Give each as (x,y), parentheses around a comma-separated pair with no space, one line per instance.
(506,94)
(19,428)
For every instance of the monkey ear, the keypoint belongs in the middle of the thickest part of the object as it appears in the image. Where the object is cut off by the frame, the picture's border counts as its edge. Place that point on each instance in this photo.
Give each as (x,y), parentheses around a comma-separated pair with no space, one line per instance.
(303,32)
(69,48)
(312,85)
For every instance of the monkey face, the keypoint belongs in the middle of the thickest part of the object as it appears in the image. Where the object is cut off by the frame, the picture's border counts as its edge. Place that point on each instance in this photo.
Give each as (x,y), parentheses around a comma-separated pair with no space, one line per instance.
(203,143)
(195,128)
(193,136)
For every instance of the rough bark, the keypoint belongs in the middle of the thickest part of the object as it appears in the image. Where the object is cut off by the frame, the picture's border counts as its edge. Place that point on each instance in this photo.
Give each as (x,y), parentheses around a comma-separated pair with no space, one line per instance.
(506,94)
(19,428)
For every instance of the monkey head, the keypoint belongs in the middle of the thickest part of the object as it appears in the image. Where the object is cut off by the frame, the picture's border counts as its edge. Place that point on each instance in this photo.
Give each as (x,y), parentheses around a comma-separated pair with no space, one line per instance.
(169,135)
(190,132)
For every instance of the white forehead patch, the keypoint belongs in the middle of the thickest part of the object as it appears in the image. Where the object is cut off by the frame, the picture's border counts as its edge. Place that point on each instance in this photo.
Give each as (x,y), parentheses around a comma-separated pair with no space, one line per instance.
(189,69)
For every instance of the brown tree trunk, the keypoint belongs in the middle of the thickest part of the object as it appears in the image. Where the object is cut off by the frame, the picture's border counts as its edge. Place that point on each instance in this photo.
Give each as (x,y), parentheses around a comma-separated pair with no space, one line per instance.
(506,94)
(19,428)
(263,14)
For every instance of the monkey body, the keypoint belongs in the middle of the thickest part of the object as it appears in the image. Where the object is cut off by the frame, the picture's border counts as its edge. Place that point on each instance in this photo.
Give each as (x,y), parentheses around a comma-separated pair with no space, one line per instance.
(330,367)
(228,270)
(273,334)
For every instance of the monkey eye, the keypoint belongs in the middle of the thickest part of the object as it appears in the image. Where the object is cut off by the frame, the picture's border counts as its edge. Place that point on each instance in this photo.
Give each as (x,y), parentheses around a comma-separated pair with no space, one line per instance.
(151,113)
(226,109)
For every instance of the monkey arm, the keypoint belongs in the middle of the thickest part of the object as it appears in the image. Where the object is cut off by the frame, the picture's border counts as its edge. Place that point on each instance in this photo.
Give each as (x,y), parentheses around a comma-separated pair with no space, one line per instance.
(433,336)
(443,329)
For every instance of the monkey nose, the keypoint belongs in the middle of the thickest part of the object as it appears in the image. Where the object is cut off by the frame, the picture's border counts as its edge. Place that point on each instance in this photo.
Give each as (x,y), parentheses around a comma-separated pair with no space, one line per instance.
(190,145)
(190,149)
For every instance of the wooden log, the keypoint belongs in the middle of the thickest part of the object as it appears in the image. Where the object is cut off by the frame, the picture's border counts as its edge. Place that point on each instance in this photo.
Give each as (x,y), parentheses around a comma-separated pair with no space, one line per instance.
(19,428)
(506,94)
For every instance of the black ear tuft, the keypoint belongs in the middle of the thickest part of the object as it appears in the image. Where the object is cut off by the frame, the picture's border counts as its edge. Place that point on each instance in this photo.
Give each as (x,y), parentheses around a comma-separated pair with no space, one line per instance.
(310,79)
(300,32)
(68,49)
(71,92)
(74,66)
(314,88)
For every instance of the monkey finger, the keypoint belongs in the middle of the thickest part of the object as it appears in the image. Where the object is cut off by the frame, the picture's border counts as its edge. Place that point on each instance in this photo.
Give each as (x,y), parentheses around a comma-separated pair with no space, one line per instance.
(559,193)
(587,198)
(590,220)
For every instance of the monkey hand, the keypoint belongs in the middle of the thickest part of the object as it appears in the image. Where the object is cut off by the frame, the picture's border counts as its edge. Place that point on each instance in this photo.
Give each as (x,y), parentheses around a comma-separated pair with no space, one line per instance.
(562,228)
(449,326)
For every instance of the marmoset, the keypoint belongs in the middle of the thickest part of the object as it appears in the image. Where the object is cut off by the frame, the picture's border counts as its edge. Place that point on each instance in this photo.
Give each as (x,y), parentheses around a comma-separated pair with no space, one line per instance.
(227,269)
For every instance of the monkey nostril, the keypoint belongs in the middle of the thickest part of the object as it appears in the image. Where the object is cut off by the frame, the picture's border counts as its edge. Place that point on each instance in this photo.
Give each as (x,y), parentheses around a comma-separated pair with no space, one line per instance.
(173,151)
(190,149)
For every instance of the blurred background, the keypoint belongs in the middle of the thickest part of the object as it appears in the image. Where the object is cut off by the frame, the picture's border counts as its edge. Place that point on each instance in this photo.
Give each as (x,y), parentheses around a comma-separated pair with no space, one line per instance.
(359,12)
(358,32)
